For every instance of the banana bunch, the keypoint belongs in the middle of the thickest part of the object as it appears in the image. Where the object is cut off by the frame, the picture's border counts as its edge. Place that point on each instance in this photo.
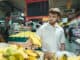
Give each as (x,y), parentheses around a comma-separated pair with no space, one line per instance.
(13,52)
(63,57)
(32,58)
(31,35)
(2,57)
(2,50)
(35,39)
(74,58)
(33,55)
(21,34)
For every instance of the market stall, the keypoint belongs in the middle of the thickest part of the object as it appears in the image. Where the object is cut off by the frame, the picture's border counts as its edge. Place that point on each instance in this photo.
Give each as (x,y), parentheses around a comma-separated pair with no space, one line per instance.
(17,52)
(27,49)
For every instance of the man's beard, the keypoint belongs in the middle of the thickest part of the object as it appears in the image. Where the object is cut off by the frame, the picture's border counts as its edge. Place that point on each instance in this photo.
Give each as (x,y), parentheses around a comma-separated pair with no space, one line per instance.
(52,23)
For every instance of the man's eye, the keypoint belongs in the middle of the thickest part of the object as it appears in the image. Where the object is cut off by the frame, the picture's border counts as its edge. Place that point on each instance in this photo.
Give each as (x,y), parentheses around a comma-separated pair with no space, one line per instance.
(53,16)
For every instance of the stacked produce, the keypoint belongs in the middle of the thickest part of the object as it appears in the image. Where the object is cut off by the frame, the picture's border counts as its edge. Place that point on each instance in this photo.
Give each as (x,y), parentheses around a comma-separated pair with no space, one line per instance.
(18,52)
(21,34)
(14,52)
(65,57)
(31,36)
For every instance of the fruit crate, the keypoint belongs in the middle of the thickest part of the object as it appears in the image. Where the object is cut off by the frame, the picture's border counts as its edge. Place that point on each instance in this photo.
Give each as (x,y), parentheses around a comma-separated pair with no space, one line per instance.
(17,39)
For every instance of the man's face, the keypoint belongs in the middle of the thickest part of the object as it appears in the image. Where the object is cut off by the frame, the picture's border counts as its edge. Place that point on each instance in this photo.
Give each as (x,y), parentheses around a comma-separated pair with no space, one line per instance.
(53,18)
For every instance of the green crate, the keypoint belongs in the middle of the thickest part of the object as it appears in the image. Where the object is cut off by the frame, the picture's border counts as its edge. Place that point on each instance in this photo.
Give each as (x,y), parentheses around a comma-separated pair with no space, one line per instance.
(17,39)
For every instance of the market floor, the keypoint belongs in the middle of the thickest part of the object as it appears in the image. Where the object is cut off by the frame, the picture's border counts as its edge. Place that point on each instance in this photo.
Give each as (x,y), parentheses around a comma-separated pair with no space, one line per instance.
(72,47)
(68,46)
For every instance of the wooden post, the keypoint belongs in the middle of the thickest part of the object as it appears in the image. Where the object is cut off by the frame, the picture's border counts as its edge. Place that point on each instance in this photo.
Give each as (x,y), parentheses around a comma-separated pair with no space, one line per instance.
(25,10)
(69,4)
(52,3)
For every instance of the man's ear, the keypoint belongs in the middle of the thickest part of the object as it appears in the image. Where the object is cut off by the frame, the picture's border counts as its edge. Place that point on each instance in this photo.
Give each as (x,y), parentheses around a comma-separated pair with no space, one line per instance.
(59,17)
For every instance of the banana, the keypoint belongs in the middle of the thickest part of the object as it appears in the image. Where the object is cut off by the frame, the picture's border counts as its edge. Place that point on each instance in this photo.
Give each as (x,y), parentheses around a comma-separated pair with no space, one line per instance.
(32,58)
(12,58)
(74,58)
(78,58)
(39,52)
(31,53)
(1,57)
(22,54)
(21,34)
(1,50)
(13,53)
(20,57)
(63,57)
(32,36)
(35,39)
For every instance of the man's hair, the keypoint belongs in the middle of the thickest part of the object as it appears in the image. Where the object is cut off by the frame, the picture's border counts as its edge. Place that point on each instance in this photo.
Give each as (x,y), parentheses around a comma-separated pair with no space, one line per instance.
(55,11)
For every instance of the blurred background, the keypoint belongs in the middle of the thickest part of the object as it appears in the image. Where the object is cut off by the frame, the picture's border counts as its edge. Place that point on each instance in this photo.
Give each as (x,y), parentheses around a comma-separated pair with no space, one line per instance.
(28,15)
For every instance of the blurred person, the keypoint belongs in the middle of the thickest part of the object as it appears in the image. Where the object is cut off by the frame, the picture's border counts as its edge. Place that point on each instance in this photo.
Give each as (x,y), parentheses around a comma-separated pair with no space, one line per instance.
(37,26)
(30,25)
(74,33)
(6,33)
(51,34)
(40,22)
(2,37)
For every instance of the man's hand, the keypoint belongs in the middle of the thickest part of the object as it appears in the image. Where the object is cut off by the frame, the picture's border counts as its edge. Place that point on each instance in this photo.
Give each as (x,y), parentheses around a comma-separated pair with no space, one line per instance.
(48,55)
(62,47)
(28,44)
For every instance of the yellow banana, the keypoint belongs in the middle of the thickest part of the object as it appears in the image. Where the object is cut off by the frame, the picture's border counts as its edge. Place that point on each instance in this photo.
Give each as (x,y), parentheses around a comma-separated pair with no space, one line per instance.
(31,53)
(32,58)
(63,57)
(74,58)
(12,58)
(21,34)
(2,58)
(35,39)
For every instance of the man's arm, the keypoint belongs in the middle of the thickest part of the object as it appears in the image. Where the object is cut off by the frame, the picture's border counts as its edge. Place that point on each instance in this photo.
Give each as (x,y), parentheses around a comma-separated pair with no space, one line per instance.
(62,41)
(62,47)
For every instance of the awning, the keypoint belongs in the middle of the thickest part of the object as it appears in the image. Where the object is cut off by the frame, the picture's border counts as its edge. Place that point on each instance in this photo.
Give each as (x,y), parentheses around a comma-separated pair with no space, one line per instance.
(44,18)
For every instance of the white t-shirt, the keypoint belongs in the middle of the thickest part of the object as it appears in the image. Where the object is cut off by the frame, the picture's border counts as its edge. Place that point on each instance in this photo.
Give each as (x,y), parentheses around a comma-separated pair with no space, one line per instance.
(51,37)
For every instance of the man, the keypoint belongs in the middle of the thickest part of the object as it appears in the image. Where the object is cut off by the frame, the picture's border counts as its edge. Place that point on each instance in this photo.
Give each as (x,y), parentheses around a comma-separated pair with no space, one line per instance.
(51,34)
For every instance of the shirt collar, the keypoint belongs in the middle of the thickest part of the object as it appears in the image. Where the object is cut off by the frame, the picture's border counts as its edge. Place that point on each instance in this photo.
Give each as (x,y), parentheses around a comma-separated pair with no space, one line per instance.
(55,26)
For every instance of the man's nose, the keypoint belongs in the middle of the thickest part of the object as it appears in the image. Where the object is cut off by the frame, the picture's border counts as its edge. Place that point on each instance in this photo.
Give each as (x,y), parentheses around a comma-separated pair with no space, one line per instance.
(51,18)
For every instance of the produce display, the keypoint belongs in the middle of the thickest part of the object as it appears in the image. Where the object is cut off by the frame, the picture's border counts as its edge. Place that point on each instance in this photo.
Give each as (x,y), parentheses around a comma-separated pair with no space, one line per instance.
(31,36)
(19,52)
(14,52)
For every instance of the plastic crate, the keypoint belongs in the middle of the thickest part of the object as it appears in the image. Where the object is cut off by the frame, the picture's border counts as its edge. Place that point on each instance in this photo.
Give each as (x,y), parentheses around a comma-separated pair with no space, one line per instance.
(18,39)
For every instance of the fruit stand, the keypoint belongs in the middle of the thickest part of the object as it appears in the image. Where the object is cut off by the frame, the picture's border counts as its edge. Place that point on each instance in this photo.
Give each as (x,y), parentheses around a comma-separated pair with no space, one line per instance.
(14,52)
(21,46)
(27,49)
(17,52)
